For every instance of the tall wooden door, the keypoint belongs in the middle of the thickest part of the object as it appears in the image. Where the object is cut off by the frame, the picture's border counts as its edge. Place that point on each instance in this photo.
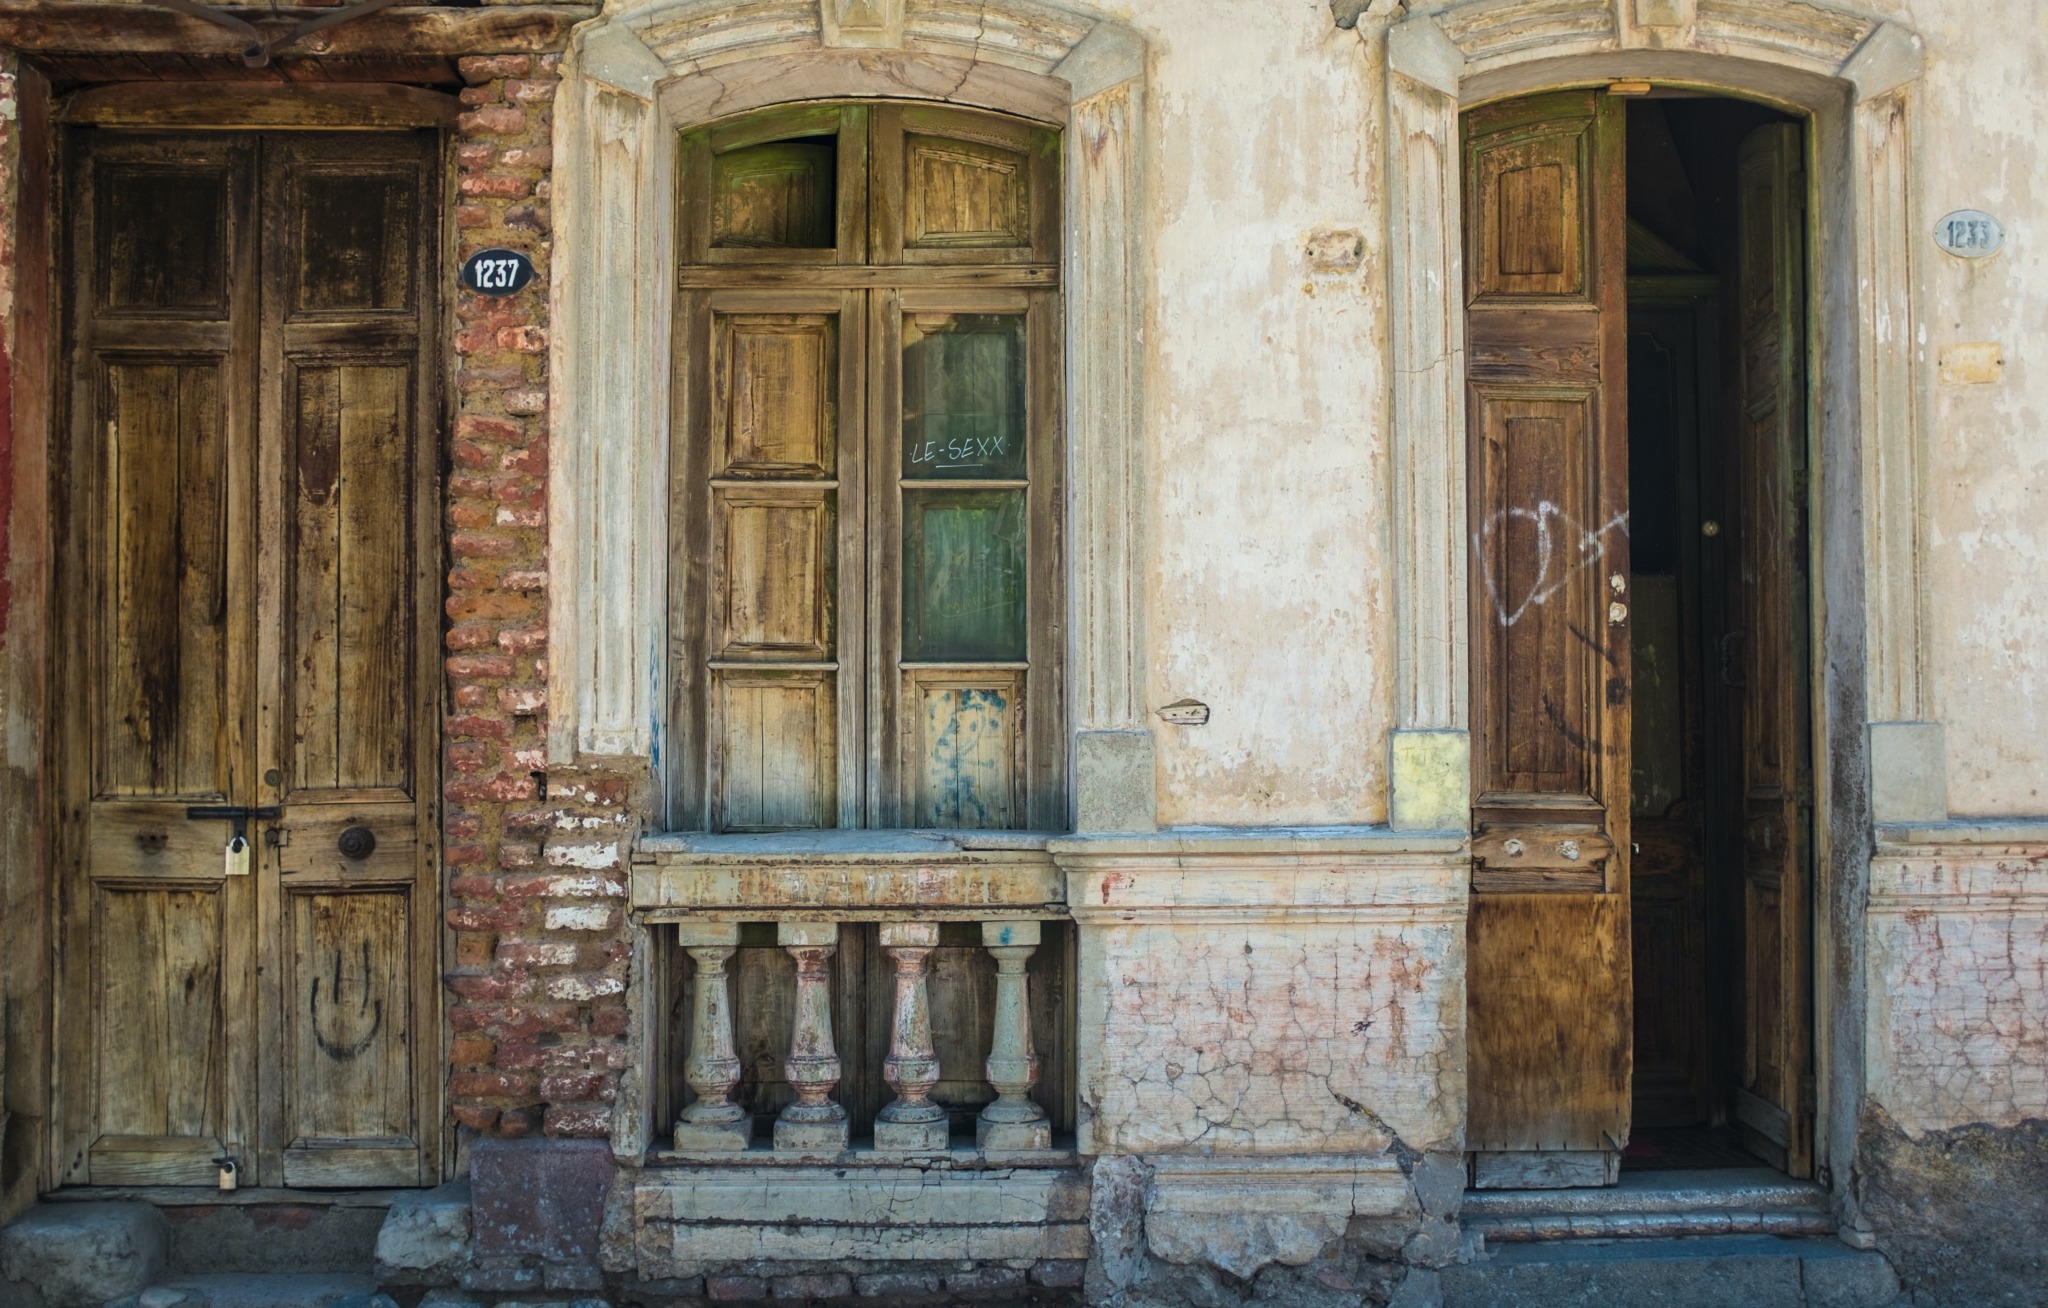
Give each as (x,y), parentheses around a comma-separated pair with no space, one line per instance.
(249,916)
(1774,1103)
(1548,1022)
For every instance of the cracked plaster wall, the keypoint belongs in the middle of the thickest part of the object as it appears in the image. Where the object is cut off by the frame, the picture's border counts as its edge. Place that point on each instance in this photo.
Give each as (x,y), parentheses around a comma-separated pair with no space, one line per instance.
(1958,988)
(1274,1037)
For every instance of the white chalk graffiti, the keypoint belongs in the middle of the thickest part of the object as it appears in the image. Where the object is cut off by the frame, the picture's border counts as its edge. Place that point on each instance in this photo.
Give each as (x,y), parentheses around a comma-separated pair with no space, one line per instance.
(1563,550)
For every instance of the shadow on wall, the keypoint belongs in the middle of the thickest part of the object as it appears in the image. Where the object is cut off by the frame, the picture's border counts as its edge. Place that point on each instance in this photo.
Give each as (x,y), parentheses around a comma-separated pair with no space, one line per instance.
(1962,1213)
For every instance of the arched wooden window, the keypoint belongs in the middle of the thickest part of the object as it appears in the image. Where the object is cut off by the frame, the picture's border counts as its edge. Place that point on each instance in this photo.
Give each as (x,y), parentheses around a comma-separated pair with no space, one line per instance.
(866,578)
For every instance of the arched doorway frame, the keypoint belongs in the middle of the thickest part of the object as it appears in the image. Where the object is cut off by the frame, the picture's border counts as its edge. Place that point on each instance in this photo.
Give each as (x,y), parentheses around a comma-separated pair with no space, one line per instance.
(1851,75)
(649,69)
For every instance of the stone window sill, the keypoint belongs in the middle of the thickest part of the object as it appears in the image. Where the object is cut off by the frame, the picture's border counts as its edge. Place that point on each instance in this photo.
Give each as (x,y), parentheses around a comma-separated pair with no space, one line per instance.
(849,875)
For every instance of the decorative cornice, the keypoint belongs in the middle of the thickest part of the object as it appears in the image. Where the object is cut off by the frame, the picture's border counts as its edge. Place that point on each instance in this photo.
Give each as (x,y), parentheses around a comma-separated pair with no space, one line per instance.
(1834,40)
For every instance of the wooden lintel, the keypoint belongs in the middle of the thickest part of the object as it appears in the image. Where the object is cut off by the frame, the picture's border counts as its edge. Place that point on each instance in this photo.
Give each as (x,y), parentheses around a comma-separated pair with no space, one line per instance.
(58,27)
(231,105)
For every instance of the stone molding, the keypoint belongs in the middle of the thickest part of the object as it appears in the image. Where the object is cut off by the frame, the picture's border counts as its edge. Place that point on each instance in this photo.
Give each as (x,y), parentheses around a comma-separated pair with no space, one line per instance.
(649,68)
(1446,54)
(1266,875)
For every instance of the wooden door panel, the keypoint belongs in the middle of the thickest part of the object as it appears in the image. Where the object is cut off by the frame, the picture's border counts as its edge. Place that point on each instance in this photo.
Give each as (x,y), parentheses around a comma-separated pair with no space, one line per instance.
(251,387)
(165,622)
(1549,1023)
(1548,982)
(1542,554)
(1774,1103)
(351,1114)
(349,409)
(357,233)
(156,1082)
(160,1035)
(163,232)
(349,484)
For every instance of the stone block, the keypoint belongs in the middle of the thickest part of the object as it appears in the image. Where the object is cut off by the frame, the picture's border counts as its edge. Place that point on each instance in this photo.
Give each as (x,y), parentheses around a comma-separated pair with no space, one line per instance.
(447,1298)
(541,1198)
(276,1290)
(1849,1279)
(82,1255)
(912,1137)
(499,1274)
(425,1237)
(1908,772)
(1115,781)
(985,1280)
(1011,1137)
(1059,1273)
(896,1285)
(714,1138)
(823,1285)
(1431,781)
(1116,1224)
(572,1276)
(735,1287)
(811,1137)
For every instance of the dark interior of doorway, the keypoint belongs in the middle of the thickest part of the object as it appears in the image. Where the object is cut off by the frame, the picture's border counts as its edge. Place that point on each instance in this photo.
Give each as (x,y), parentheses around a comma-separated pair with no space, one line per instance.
(1684,413)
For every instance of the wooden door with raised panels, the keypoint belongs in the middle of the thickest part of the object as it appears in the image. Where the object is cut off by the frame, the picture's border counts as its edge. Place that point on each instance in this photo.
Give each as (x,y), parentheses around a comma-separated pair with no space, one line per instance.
(250,908)
(1548,990)
(1774,1101)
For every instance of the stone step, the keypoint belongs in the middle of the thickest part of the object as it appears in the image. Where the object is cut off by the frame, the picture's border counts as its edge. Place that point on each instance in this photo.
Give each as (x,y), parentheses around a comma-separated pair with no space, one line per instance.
(1746,1189)
(260,1290)
(1734,1271)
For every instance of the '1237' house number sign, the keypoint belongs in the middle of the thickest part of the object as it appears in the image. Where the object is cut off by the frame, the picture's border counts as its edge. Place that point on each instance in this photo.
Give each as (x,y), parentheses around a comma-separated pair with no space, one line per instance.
(496,272)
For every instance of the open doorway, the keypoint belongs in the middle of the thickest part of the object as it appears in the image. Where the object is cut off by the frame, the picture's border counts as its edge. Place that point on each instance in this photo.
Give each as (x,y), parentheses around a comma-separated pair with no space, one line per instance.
(1639,935)
(1721,794)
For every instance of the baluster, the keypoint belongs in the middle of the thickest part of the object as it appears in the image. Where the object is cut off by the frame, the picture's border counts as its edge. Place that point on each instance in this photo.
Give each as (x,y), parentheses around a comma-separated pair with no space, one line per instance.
(814,1123)
(911,1123)
(713,1122)
(1014,1120)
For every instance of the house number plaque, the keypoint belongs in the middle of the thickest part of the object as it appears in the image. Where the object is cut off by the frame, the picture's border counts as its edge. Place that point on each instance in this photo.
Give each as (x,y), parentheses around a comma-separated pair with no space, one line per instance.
(497,272)
(1969,234)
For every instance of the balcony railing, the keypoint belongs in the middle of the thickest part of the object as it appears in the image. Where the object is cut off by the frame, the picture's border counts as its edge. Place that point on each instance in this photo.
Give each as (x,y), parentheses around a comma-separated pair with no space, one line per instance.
(989,1007)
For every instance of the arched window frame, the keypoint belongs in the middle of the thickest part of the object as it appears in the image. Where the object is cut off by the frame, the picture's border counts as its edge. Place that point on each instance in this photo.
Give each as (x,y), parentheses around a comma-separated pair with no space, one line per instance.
(645,72)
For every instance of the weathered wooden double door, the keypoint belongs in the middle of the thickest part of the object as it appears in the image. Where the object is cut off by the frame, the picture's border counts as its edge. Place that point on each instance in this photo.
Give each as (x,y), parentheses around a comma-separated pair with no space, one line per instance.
(1549,1022)
(249,916)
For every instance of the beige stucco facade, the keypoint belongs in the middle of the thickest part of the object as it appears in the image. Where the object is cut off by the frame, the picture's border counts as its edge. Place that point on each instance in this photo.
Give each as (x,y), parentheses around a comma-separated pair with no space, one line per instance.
(1266,489)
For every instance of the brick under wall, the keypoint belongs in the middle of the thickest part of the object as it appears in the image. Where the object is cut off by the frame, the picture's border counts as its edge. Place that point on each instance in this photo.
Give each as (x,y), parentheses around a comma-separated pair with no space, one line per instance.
(537,891)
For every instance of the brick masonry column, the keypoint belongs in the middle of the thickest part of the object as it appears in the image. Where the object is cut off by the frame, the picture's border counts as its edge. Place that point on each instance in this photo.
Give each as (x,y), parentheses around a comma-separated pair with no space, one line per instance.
(536,891)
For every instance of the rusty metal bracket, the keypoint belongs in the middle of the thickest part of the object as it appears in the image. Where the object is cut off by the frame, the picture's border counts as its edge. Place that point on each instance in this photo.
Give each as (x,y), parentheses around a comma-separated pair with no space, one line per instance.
(259,51)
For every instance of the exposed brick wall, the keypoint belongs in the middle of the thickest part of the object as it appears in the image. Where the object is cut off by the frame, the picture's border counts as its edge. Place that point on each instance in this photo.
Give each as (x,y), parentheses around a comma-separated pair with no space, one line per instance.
(537,888)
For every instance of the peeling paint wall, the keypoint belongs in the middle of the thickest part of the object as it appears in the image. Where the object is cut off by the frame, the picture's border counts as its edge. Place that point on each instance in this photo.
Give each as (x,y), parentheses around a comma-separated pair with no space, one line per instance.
(1985,138)
(1265,405)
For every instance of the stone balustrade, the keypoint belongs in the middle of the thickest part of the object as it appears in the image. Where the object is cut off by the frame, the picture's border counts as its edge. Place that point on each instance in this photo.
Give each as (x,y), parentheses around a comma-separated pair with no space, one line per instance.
(815,1122)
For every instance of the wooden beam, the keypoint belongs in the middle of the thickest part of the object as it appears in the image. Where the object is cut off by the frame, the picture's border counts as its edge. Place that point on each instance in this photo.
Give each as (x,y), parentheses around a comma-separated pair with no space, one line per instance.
(57,26)
(228,105)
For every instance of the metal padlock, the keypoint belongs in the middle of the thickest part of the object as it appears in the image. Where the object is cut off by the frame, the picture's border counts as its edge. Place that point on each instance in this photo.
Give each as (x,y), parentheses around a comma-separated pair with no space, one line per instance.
(230,1170)
(238,861)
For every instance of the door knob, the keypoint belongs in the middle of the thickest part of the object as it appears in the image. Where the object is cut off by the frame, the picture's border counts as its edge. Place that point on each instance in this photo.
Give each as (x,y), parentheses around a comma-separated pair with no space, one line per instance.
(357,842)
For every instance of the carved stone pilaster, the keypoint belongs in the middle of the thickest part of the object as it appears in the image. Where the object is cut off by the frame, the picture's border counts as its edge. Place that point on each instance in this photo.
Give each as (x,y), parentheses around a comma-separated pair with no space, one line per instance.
(712,1123)
(1014,1120)
(815,1123)
(911,1123)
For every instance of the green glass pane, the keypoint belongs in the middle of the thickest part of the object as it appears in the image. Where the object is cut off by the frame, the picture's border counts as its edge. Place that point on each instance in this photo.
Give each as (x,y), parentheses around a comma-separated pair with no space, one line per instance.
(963,575)
(963,395)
